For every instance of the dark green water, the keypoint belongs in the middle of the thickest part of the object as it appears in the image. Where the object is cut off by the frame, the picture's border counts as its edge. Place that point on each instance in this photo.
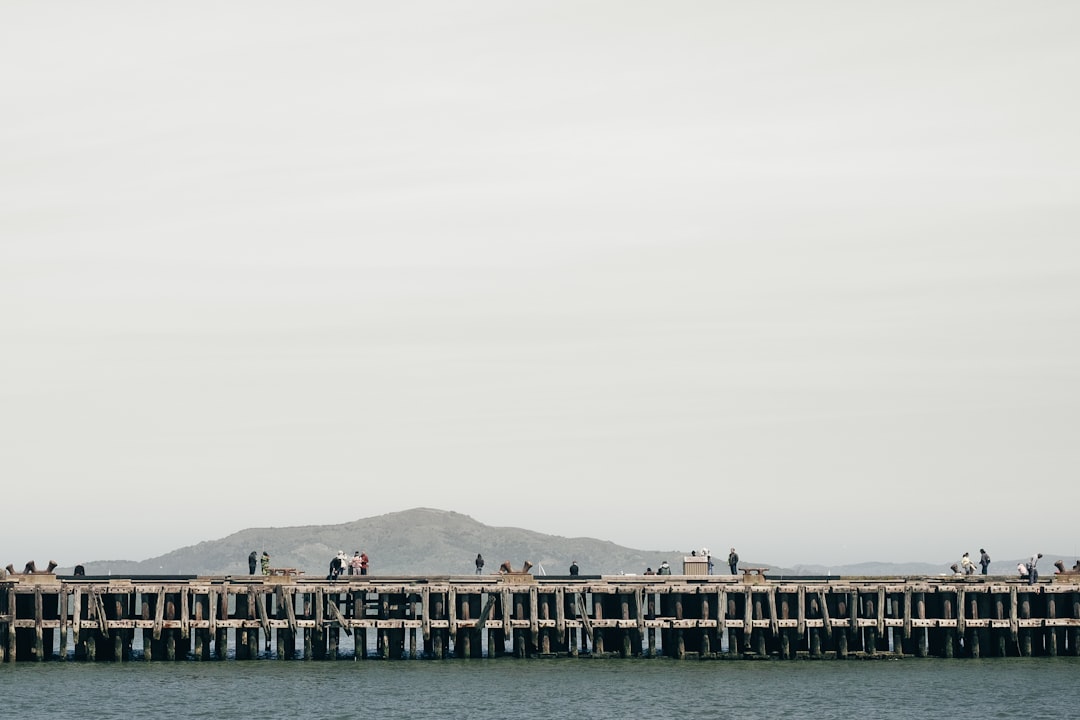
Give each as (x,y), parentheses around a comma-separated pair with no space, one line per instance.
(542,689)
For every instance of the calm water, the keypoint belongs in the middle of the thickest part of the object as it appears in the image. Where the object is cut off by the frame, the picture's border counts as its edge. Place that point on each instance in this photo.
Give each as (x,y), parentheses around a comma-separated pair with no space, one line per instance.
(543,689)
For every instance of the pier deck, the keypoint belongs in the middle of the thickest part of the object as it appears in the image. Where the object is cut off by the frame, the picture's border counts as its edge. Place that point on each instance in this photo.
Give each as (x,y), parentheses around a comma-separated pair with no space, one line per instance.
(47,617)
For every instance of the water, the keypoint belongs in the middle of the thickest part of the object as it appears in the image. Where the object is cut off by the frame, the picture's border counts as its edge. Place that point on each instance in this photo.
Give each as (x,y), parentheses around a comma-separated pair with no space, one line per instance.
(581,688)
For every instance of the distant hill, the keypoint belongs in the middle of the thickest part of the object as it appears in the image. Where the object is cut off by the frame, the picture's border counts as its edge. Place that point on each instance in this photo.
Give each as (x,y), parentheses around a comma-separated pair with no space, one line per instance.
(423,541)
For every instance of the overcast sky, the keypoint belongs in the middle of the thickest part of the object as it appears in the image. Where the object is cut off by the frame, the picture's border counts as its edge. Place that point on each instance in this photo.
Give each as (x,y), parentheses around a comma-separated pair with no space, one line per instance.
(801,278)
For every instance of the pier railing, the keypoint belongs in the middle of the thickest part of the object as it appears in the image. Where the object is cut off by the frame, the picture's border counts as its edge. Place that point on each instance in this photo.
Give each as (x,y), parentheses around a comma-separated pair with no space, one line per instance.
(48,617)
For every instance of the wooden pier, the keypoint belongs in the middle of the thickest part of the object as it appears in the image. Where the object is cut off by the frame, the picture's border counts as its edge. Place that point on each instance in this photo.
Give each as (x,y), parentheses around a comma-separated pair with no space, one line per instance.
(150,618)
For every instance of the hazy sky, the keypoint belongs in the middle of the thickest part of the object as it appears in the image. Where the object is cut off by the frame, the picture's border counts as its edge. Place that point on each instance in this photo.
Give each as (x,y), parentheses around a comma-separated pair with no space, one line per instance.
(802,278)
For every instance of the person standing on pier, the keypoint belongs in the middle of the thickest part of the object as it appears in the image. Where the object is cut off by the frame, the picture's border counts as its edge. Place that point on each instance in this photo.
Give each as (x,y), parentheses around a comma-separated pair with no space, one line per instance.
(733,561)
(251,562)
(336,566)
(264,562)
(573,567)
(354,564)
(1033,573)
(967,564)
(363,563)
(479,564)
(984,560)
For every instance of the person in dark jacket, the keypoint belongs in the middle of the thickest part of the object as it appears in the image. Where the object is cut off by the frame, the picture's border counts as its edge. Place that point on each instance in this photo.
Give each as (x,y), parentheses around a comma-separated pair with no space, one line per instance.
(733,561)
(573,568)
(479,564)
(252,560)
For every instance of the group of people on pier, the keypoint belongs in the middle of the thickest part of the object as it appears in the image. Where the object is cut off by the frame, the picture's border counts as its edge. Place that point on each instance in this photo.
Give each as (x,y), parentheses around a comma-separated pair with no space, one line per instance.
(340,565)
(733,563)
(263,562)
(358,565)
(967,565)
(1027,571)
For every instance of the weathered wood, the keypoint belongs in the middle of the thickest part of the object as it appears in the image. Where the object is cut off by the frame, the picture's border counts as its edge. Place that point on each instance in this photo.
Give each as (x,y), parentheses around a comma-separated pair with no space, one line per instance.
(482,622)
(99,609)
(185,614)
(1014,626)
(451,601)
(825,614)
(120,642)
(288,599)
(907,613)
(1025,630)
(39,628)
(748,613)
(425,609)
(339,617)
(63,609)
(881,610)
(800,627)
(598,633)
(76,618)
(263,616)
(584,615)
(922,641)
(639,610)
(159,613)
(1074,645)
(438,651)
(560,612)
(1051,633)
(759,635)
(774,617)
(507,611)
(534,629)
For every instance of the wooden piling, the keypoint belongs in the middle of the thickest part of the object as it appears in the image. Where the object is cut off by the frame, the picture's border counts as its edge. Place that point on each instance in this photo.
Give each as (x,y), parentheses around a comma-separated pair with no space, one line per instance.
(1075,636)
(922,640)
(842,636)
(1074,645)
(814,612)
(1024,633)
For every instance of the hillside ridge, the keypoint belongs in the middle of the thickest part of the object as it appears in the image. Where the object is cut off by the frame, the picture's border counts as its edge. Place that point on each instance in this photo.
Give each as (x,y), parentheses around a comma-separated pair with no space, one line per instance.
(423,541)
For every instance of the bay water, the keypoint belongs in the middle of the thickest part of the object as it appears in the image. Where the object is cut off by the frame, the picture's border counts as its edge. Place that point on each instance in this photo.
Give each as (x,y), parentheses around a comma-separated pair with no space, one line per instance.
(502,688)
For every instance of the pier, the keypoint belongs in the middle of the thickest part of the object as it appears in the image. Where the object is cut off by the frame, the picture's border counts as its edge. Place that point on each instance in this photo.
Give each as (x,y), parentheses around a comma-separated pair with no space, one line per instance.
(45,617)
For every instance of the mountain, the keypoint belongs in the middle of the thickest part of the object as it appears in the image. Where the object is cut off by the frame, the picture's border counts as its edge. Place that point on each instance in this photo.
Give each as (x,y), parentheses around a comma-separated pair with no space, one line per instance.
(423,541)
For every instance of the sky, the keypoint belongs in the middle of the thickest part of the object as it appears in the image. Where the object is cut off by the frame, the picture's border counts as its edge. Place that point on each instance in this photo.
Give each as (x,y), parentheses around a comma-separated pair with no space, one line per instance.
(798,278)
